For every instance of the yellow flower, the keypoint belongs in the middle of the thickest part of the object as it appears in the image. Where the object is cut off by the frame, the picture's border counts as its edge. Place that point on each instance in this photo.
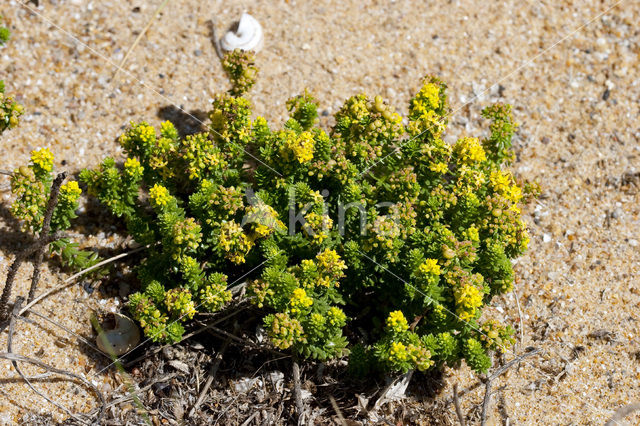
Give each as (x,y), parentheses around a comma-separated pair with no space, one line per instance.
(469,151)
(440,167)
(300,301)
(159,195)
(302,147)
(472,234)
(317,226)
(132,167)
(336,317)
(234,242)
(398,352)
(430,267)
(70,191)
(330,261)
(397,322)
(43,159)
(431,93)
(468,300)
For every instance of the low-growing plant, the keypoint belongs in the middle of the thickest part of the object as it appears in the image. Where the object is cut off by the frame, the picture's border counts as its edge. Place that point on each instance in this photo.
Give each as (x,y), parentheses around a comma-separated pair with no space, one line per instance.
(376,238)
(31,185)
(5,34)
(10,111)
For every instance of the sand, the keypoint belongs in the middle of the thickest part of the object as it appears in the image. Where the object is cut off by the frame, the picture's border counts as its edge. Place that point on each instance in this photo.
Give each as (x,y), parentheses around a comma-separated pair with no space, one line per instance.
(569,68)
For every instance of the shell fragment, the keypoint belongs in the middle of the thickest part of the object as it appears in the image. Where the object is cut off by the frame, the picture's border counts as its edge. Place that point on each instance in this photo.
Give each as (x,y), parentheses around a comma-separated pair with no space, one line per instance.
(248,36)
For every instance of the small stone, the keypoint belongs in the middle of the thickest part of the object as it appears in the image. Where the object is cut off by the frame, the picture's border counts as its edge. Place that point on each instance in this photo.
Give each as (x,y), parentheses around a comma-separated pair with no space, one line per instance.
(197,52)
(546,238)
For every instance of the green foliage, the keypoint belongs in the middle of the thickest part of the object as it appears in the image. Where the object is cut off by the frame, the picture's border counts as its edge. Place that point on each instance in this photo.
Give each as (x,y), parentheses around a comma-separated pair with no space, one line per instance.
(377,230)
(5,34)
(31,185)
(10,111)
(240,67)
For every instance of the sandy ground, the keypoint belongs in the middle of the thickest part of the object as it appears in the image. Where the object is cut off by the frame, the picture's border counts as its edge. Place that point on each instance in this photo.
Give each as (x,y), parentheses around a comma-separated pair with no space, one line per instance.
(570,68)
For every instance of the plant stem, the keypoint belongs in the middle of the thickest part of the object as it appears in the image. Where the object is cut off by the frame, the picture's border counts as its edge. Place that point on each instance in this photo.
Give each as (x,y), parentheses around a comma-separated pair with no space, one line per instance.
(46,226)
(297,390)
(13,269)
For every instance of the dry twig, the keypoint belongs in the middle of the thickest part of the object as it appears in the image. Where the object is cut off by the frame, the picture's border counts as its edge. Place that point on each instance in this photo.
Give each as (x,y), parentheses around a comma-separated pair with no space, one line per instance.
(13,270)
(44,233)
(70,281)
(456,403)
(622,412)
(15,358)
(142,33)
(297,390)
(212,375)
(500,371)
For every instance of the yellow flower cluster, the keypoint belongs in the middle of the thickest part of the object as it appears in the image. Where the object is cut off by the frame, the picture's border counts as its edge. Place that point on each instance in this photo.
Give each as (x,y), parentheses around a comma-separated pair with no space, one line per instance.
(214,296)
(398,352)
(178,302)
(234,242)
(468,300)
(317,226)
(263,219)
(300,301)
(469,151)
(386,230)
(302,147)
(186,233)
(141,134)
(439,167)
(159,195)
(284,331)
(429,267)
(42,159)
(133,168)
(472,234)
(336,317)
(70,191)
(428,97)
(397,322)
(329,261)
(503,184)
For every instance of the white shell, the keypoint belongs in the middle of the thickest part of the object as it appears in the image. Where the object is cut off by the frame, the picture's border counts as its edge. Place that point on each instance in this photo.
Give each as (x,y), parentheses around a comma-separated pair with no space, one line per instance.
(121,339)
(248,36)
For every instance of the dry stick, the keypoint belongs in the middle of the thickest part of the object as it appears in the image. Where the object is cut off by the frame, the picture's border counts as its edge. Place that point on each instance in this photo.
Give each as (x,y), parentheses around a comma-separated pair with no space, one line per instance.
(73,333)
(141,390)
(622,412)
(184,337)
(69,281)
(212,375)
(515,292)
(216,41)
(13,270)
(456,403)
(485,402)
(21,358)
(6,172)
(253,416)
(334,404)
(135,43)
(46,226)
(14,358)
(496,374)
(297,390)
